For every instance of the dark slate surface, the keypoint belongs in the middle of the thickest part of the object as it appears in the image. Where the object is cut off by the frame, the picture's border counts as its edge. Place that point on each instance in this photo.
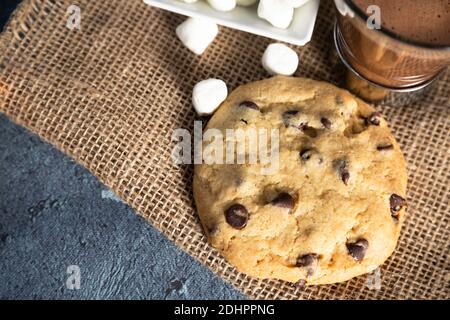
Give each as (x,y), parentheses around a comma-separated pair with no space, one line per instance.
(54,214)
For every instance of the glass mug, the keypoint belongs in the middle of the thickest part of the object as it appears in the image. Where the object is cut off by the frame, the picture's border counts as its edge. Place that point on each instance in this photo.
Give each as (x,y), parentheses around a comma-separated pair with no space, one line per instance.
(385,60)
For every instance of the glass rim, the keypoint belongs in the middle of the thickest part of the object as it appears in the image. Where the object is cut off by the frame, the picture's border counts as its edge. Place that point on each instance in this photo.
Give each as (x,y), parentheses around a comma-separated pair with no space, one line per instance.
(362,15)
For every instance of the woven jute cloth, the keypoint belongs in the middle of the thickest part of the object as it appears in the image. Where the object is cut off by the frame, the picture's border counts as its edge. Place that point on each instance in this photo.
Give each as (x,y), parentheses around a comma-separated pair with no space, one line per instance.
(111,93)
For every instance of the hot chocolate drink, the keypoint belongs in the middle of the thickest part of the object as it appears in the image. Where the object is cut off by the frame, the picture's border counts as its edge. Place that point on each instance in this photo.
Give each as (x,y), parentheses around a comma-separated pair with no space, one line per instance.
(410,49)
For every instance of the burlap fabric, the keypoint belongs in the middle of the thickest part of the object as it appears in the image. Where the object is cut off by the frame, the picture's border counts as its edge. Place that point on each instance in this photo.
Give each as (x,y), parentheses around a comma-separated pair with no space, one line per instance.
(111,94)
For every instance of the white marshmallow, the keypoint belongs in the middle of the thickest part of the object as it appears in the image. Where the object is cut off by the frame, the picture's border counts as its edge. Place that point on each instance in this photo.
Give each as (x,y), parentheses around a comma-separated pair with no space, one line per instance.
(222,5)
(343,8)
(297,3)
(278,12)
(280,59)
(188,1)
(207,96)
(245,3)
(197,33)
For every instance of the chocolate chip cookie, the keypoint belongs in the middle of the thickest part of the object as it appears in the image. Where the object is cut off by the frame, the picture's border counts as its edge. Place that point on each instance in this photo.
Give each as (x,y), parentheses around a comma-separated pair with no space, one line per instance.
(333,207)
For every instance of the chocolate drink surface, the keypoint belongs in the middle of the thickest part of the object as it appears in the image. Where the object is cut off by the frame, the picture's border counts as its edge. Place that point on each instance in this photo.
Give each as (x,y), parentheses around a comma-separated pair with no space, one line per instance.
(424,21)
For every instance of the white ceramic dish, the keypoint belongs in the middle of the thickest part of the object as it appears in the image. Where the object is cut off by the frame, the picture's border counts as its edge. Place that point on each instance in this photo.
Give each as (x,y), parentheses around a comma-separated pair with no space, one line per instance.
(246,19)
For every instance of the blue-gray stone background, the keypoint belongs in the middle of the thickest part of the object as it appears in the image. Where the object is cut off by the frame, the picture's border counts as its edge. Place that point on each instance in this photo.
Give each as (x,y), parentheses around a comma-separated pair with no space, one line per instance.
(54,214)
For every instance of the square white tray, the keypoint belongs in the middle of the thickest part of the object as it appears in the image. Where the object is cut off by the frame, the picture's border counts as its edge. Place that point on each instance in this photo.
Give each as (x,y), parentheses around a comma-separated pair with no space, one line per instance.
(246,19)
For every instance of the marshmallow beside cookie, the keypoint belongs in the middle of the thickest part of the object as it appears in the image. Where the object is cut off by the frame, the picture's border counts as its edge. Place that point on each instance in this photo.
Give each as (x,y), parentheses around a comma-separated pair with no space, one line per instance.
(207,96)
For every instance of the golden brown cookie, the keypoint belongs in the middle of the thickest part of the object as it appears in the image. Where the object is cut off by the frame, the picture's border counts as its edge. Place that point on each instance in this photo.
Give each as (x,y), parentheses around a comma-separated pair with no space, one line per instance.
(331,211)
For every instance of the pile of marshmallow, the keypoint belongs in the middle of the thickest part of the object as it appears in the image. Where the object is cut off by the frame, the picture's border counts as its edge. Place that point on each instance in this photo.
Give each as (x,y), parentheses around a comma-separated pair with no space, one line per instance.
(278,12)
(197,33)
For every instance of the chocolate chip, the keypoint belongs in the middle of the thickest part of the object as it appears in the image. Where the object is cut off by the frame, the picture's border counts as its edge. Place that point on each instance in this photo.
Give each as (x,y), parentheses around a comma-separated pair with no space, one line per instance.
(307,260)
(345,176)
(236,216)
(358,249)
(383,147)
(341,166)
(396,203)
(306,154)
(339,100)
(301,284)
(309,131)
(325,122)
(311,154)
(287,115)
(297,123)
(249,104)
(373,118)
(290,113)
(284,200)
